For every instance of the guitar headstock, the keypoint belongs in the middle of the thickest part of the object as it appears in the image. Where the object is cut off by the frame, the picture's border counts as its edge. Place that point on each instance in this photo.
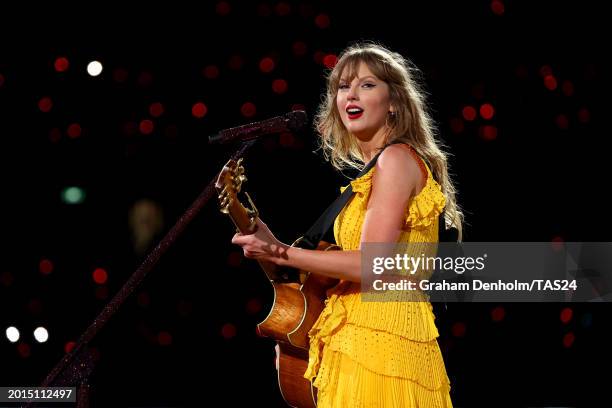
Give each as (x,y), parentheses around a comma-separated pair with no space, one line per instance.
(229,185)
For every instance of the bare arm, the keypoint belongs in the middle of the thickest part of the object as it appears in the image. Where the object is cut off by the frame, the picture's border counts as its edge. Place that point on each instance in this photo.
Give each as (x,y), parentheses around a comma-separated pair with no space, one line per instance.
(395,180)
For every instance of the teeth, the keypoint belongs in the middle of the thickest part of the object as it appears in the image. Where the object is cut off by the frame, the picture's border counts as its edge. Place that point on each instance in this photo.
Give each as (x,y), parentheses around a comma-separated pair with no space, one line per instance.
(354,110)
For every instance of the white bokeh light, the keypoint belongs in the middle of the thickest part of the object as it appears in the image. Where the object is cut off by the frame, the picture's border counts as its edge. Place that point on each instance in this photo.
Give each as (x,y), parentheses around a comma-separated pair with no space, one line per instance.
(12,334)
(94,68)
(41,334)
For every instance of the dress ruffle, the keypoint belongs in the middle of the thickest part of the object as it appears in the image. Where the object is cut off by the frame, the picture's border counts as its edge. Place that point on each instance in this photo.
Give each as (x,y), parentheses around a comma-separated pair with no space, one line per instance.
(426,206)
(388,354)
(330,320)
(412,327)
(363,184)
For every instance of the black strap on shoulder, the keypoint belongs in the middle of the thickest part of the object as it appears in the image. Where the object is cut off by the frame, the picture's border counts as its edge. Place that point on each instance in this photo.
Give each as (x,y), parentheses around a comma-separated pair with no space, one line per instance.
(313,236)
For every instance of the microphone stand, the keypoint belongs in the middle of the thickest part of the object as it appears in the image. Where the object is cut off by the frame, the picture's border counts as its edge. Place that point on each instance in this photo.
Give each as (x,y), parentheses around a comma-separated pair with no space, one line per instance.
(76,366)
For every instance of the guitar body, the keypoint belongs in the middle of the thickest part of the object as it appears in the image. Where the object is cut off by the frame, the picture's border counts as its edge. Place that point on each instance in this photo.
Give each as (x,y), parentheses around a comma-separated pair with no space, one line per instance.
(299,298)
(296,308)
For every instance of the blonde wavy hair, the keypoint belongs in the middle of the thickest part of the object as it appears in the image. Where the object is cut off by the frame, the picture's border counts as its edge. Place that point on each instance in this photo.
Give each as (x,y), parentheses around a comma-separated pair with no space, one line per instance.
(411,123)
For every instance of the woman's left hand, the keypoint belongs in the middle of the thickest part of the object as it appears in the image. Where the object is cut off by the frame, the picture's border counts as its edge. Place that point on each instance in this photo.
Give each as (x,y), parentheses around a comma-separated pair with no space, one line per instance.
(261,245)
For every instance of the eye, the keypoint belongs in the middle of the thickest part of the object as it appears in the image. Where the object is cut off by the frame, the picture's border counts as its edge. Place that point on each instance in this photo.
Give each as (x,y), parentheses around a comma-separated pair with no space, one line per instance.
(369,85)
(343,86)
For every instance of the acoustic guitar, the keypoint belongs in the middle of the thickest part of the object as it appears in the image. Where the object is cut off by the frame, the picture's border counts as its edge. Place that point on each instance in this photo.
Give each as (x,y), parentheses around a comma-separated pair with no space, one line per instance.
(299,296)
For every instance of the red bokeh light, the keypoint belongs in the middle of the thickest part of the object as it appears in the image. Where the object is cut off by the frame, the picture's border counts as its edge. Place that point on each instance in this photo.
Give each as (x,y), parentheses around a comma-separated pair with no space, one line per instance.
(299,48)
(74,130)
(282,9)
(164,338)
(253,306)
(488,132)
(266,65)
(562,122)
(45,266)
(322,21)
(550,82)
(100,276)
(568,339)
(330,61)
(248,109)
(459,329)
(24,350)
(566,315)
(146,126)
(235,62)
(469,113)
(156,109)
(498,314)
(584,115)
(223,8)
(69,346)
(567,88)
(211,71)
(199,110)
(61,64)
(487,111)
(279,86)
(45,104)
(497,7)
(228,331)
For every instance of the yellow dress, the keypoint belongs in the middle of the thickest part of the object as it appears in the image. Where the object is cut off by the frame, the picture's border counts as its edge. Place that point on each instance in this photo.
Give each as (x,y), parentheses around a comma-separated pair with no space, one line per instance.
(379,354)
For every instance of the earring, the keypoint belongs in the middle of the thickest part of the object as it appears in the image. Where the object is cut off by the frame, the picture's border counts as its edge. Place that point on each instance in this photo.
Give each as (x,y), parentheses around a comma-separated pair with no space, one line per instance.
(391,116)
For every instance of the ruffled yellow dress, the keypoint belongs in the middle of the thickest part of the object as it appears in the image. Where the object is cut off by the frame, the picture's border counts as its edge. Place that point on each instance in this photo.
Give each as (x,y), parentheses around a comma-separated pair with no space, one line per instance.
(379,354)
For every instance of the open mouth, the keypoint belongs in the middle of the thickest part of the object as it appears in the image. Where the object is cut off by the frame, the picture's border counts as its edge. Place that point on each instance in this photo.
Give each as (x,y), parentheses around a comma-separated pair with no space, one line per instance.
(354,112)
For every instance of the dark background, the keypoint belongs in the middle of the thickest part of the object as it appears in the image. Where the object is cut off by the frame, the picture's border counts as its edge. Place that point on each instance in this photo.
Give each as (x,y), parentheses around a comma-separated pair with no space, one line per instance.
(187,335)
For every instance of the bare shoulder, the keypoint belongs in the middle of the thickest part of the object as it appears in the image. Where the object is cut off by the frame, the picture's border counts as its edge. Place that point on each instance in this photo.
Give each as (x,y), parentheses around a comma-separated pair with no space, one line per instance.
(397,162)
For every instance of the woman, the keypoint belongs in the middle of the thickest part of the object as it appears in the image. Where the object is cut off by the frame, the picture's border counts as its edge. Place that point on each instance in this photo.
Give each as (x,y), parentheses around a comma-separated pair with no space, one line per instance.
(374,354)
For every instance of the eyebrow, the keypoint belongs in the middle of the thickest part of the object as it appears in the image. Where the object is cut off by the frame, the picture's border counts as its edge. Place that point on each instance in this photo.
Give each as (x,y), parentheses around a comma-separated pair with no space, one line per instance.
(361,79)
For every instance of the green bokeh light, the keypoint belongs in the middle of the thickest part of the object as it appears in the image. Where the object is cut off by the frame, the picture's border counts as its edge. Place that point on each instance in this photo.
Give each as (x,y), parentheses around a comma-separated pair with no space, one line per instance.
(73,195)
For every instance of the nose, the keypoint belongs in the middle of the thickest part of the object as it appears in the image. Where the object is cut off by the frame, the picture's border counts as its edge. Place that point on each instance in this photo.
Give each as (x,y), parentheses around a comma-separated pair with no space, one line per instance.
(352,93)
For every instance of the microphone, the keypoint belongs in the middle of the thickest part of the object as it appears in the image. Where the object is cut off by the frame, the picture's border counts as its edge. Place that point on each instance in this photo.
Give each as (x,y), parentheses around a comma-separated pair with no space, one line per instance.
(289,122)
